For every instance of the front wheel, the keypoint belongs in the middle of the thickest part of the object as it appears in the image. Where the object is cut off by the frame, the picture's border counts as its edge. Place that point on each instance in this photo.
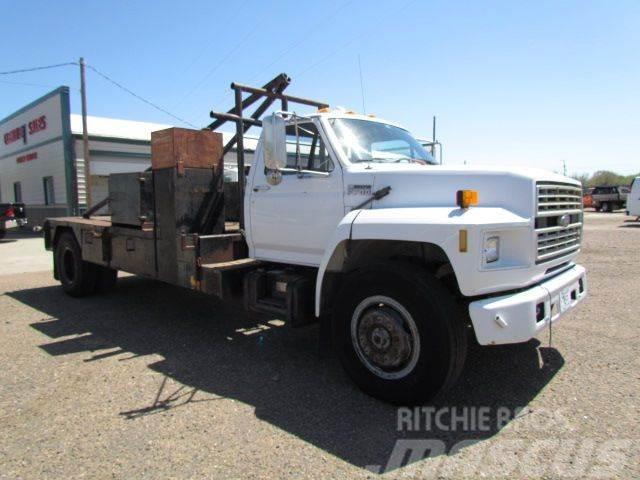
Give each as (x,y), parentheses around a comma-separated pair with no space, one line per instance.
(399,334)
(606,207)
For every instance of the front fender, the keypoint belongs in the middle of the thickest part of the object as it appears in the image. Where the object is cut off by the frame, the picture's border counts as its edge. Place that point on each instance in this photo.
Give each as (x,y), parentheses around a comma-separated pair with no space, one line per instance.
(439,226)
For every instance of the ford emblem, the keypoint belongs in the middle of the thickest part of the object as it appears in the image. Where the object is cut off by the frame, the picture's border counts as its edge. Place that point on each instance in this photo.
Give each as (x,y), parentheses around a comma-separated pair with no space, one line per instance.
(564,220)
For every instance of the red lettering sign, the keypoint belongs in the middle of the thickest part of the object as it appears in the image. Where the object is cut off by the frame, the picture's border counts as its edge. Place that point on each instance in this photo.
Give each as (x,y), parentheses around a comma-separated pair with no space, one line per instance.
(28,157)
(36,125)
(15,135)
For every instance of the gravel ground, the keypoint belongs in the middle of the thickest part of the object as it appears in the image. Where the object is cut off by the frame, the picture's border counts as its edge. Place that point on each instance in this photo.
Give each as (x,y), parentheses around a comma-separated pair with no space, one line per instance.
(152,381)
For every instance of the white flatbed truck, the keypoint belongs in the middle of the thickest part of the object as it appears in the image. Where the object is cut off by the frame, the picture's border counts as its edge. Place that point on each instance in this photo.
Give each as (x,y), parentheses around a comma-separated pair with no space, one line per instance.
(346,219)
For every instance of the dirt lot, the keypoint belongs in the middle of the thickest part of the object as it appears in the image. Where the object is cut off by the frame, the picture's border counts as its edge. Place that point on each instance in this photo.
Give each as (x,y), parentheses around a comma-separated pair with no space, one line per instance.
(152,381)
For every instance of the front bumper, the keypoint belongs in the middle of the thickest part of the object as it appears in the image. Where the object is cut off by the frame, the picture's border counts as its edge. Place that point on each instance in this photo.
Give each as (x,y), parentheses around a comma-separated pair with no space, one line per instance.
(519,317)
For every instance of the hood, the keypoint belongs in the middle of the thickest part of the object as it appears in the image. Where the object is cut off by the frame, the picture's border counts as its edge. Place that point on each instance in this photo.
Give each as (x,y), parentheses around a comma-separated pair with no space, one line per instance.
(412,185)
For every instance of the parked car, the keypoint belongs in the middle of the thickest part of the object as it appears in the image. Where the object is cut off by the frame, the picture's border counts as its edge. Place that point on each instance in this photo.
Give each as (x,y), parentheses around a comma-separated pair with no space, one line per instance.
(609,198)
(633,199)
(12,215)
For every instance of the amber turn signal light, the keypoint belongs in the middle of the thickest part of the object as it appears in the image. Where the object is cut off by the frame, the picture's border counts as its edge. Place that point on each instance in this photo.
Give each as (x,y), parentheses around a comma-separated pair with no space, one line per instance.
(466,198)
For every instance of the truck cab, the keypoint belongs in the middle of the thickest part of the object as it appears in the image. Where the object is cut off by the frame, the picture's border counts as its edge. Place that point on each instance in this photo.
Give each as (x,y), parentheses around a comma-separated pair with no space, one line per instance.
(506,258)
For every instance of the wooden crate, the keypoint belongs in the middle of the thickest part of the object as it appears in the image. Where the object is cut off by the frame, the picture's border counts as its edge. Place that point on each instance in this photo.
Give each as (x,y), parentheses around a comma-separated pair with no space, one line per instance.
(184,148)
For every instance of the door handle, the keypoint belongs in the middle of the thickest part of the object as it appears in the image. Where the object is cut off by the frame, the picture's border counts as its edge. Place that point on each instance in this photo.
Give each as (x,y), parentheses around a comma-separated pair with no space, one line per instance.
(261,188)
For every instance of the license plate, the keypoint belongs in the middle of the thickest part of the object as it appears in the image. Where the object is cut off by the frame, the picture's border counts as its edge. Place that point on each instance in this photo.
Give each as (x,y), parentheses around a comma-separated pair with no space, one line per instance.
(565,300)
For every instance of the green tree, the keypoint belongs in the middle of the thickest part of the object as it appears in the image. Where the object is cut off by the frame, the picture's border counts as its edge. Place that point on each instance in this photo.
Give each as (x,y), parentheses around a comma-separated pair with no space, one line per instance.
(583,178)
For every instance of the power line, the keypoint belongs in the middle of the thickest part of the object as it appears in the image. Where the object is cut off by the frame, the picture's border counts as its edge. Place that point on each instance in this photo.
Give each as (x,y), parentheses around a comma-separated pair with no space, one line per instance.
(224,59)
(209,47)
(290,48)
(33,69)
(142,99)
(103,75)
(369,31)
(27,84)
(303,38)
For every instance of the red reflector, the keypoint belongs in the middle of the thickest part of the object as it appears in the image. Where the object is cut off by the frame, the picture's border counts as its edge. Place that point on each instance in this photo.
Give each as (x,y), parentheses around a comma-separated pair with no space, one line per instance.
(10,213)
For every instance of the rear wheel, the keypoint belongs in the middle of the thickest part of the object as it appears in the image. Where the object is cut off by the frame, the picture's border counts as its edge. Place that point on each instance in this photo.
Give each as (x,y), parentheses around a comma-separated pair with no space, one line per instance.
(399,334)
(2,233)
(78,277)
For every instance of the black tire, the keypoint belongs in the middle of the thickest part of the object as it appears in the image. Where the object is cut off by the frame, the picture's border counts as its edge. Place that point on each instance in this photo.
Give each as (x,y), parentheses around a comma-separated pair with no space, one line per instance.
(105,279)
(78,278)
(442,339)
(605,207)
(2,233)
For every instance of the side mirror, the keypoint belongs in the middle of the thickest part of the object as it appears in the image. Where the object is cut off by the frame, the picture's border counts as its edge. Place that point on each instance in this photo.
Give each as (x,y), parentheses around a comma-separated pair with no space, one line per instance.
(274,142)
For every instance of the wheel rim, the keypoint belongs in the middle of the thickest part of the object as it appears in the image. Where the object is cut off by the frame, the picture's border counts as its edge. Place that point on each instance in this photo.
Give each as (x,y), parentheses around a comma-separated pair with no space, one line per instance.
(385,337)
(69,265)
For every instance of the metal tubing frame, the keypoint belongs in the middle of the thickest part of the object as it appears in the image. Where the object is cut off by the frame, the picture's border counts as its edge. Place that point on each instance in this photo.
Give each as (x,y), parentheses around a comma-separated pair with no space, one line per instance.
(272,91)
(95,208)
(240,154)
(255,116)
(280,96)
(281,81)
(232,117)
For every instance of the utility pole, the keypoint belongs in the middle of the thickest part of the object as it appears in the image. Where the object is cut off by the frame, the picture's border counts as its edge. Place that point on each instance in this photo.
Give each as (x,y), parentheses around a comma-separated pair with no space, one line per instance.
(85,136)
(564,167)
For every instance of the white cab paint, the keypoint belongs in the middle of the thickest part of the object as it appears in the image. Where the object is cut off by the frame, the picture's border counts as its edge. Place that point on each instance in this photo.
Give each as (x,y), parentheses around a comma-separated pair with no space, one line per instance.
(307,221)
(293,221)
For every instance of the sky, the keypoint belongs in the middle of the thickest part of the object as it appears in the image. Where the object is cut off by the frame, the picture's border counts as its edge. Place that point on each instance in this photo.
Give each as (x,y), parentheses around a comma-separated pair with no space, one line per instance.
(544,83)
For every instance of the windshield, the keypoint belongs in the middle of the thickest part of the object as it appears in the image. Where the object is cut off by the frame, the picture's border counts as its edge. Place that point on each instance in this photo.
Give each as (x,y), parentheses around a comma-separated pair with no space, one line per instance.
(365,141)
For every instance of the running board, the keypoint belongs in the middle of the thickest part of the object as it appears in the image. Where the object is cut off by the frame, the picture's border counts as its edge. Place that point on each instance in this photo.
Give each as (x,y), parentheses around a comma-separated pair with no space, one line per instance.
(224,279)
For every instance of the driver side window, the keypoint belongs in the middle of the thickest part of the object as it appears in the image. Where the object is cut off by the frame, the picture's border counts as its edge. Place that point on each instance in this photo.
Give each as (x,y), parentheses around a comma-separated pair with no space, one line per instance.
(313,153)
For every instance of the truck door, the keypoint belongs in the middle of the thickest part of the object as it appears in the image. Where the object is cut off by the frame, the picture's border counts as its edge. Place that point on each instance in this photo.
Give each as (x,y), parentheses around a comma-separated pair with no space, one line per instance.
(292,221)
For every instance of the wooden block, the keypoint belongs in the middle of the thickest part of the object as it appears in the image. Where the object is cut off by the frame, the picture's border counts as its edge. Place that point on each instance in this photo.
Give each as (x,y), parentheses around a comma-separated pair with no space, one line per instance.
(184,148)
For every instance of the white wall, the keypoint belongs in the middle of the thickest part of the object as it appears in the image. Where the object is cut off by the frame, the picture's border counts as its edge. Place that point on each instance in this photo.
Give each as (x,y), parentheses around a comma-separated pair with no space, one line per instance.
(46,144)
(104,161)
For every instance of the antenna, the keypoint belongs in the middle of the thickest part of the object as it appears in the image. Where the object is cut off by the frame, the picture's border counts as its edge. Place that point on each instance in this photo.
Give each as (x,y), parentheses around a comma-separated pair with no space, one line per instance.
(433,136)
(364,110)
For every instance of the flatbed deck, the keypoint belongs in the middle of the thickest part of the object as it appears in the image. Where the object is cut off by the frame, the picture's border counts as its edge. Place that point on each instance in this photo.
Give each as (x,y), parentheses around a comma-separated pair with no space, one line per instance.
(104,221)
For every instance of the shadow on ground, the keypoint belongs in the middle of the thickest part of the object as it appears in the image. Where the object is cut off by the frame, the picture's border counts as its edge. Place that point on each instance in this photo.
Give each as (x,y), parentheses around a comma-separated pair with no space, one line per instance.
(211,347)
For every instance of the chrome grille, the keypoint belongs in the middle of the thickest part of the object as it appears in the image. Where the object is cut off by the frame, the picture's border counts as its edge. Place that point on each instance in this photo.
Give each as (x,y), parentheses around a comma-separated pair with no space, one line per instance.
(556,197)
(556,202)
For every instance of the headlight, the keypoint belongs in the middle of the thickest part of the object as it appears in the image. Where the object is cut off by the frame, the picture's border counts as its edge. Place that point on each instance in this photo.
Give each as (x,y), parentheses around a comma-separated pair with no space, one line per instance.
(491,249)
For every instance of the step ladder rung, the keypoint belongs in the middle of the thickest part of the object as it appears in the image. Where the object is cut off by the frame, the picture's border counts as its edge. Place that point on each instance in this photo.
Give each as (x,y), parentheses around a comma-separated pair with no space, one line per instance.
(231,265)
